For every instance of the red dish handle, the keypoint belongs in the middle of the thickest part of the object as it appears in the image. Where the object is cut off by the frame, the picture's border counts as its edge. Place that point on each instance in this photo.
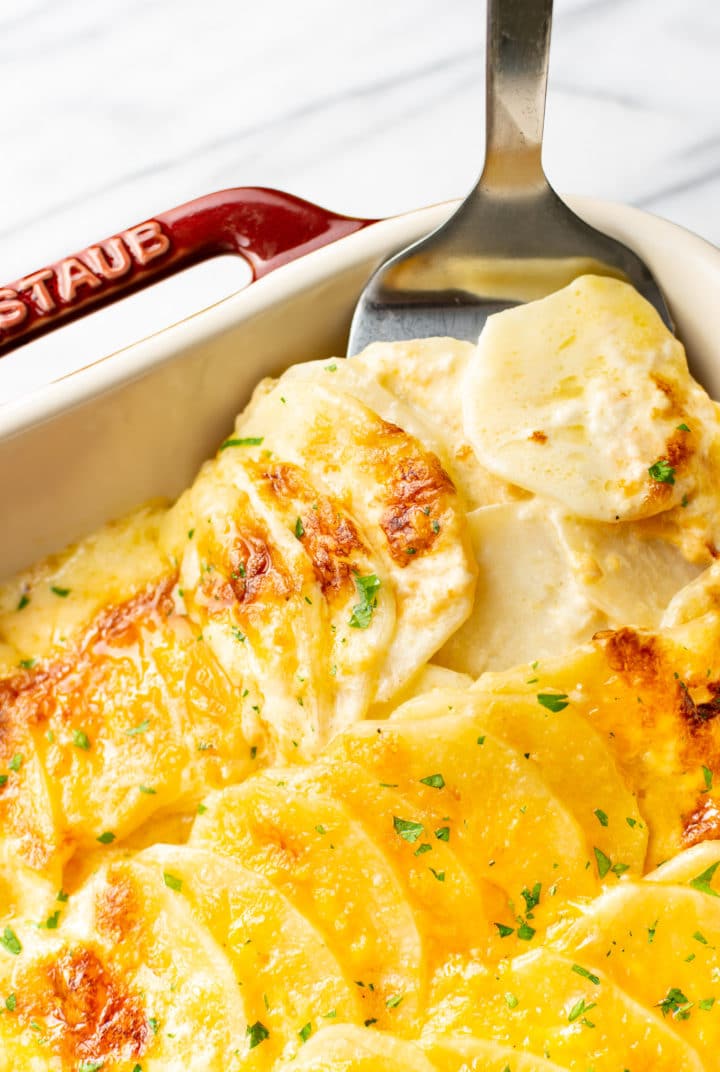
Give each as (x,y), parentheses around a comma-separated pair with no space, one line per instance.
(266,227)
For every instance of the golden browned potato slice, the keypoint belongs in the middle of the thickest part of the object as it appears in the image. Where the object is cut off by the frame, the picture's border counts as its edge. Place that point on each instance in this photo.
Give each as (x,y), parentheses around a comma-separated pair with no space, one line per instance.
(573,758)
(404,504)
(661,944)
(461,1054)
(561,1008)
(128,976)
(346,1048)
(655,698)
(487,799)
(697,865)
(455,910)
(290,981)
(319,855)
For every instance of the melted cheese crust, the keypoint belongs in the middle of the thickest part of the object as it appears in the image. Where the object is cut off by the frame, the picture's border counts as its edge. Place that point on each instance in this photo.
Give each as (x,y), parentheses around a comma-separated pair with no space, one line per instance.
(247,823)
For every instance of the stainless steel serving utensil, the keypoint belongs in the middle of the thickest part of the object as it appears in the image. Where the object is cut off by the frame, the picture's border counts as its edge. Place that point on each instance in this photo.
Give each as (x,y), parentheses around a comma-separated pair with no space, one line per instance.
(512,239)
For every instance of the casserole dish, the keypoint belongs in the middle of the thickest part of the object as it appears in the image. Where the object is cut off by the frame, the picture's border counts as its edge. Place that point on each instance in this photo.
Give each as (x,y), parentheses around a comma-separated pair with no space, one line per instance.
(136,424)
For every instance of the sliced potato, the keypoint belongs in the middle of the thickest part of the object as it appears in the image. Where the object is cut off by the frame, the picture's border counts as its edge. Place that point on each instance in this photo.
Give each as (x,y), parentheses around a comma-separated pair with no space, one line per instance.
(322,859)
(662,945)
(289,977)
(561,1008)
(697,864)
(130,976)
(574,760)
(491,800)
(346,1048)
(462,1054)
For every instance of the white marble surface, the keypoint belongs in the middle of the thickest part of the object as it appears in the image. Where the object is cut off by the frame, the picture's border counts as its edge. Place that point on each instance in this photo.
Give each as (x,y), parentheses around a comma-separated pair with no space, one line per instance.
(117,109)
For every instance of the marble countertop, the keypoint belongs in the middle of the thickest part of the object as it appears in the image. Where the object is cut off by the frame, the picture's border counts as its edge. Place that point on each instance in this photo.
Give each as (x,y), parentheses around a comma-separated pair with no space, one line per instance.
(120,109)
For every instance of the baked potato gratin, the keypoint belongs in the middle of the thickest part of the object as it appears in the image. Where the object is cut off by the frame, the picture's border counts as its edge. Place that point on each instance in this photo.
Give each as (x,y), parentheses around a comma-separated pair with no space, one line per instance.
(393,744)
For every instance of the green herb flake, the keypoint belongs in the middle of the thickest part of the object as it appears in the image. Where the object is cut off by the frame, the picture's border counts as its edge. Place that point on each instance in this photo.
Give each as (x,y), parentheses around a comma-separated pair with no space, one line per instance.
(238,634)
(407,829)
(422,849)
(601,816)
(62,897)
(706,1004)
(305,1032)
(248,441)
(90,1066)
(11,1002)
(367,588)
(675,1003)
(106,838)
(154,1025)
(58,591)
(707,778)
(439,875)
(683,428)
(579,1009)
(147,790)
(3,780)
(331,368)
(699,937)
(443,833)
(604,863)
(579,970)
(394,1001)
(27,664)
(10,941)
(436,781)
(320,829)
(511,1001)
(16,762)
(23,601)
(531,897)
(554,701)
(201,809)
(51,923)
(662,471)
(504,931)
(525,932)
(702,882)
(81,740)
(299,529)
(172,881)
(137,730)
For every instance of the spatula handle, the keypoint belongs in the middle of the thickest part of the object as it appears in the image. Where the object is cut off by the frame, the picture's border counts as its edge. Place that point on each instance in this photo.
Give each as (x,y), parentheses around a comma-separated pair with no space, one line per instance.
(518,46)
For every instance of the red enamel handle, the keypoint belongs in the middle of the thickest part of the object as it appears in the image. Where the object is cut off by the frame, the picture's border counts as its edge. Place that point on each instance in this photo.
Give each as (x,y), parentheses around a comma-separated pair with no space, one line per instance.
(266,227)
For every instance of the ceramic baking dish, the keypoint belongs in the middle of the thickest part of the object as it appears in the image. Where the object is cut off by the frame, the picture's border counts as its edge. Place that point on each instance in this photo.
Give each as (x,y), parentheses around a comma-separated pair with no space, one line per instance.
(137,424)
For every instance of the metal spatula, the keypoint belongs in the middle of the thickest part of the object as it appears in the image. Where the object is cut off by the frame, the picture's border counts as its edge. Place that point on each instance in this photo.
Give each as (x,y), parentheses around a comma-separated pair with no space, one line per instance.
(512,239)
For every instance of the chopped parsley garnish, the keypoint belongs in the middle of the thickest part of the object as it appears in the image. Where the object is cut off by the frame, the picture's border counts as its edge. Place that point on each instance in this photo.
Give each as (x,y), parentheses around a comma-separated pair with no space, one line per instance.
(579,1009)
(706,1004)
(106,838)
(699,937)
(16,762)
(504,931)
(10,941)
(141,728)
(422,849)
(90,1066)
(604,863)
(683,428)
(23,602)
(81,740)
(62,897)
(436,781)
(702,882)
(481,740)
(248,441)
(27,664)
(331,368)
(299,529)
(651,932)
(662,472)
(58,591)
(238,634)
(147,790)
(172,881)
(362,612)
(601,816)
(554,701)
(320,829)
(3,780)
(525,932)
(439,875)
(531,897)
(11,1002)
(707,778)
(305,1032)
(201,809)
(51,922)
(511,1001)
(394,1001)
(443,833)
(579,970)
(676,1003)
(407,829)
